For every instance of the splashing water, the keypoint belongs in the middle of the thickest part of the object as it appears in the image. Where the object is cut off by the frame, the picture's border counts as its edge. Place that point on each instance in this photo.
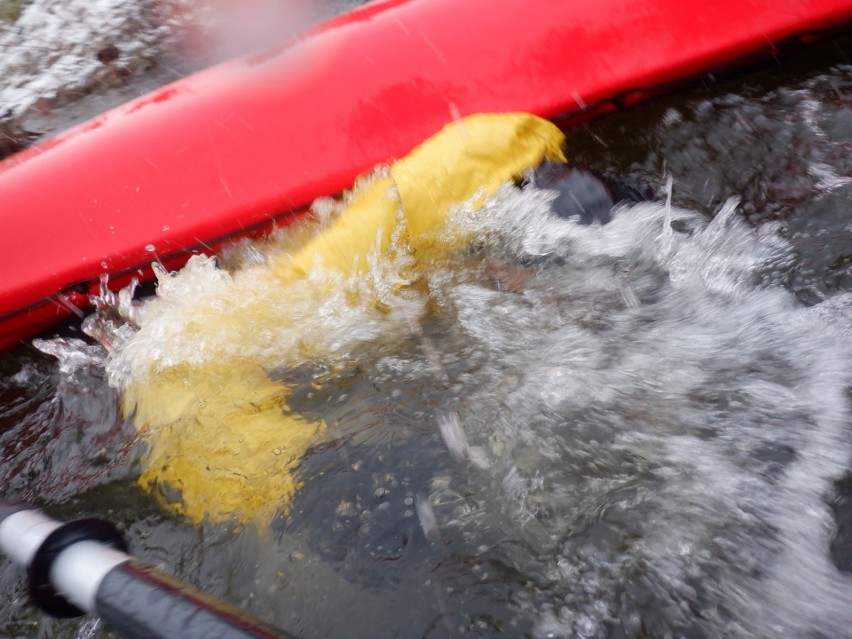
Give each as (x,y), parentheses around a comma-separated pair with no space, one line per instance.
(196,375)
(679,449)
(652,419)
(633,430)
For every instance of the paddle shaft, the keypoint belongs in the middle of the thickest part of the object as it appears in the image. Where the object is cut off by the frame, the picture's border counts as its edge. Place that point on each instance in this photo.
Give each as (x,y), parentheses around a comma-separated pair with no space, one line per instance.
(81,567)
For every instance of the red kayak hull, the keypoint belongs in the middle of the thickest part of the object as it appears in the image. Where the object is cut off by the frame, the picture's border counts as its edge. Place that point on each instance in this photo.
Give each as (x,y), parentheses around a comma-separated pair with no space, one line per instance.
(246,144)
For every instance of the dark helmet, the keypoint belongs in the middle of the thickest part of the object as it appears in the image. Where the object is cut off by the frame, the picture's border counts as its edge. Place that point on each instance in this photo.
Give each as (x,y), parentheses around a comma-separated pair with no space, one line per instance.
(586,195)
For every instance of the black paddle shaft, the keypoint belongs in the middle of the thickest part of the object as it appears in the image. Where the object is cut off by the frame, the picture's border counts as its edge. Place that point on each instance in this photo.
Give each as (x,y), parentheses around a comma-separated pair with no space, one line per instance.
(82,566)
(147,604)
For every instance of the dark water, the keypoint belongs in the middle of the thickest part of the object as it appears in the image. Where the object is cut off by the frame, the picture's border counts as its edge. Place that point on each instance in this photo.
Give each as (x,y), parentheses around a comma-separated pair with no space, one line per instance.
(656,412)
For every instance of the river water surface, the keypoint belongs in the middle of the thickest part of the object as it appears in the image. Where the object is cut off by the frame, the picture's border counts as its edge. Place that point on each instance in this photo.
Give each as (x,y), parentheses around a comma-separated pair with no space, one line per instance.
(634,430)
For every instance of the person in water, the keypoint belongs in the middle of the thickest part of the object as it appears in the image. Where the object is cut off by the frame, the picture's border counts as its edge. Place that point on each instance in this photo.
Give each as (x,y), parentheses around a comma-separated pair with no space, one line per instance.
(585,195)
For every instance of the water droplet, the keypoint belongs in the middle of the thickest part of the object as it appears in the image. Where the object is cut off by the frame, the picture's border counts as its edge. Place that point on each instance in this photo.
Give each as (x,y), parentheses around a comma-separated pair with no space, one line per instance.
(150,248)
(428,521)
(453,435)
(277,451)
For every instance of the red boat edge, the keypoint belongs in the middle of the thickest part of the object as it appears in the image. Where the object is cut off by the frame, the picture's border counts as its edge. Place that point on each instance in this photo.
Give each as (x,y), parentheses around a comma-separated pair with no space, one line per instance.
(242,146)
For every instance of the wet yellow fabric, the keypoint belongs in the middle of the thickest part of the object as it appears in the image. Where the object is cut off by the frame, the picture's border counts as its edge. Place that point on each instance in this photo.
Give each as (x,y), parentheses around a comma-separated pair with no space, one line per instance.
(472,156)
(222,442)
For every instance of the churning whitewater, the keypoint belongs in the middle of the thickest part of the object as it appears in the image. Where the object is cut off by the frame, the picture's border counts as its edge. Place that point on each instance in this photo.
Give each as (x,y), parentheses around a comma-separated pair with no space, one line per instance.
(647,425)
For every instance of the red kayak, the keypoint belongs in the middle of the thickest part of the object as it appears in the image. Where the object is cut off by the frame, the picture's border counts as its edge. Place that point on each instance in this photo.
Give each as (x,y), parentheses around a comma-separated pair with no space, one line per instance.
(238,147)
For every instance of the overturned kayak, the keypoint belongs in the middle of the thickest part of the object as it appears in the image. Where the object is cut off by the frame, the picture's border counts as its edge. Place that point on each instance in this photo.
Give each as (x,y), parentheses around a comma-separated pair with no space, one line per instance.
(242,146)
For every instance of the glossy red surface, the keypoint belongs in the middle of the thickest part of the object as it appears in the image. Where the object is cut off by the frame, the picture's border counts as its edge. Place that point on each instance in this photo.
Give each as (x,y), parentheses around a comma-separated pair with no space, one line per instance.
(233,148)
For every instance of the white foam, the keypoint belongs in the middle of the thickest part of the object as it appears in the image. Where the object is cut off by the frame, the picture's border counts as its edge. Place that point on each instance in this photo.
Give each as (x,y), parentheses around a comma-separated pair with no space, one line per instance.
(732,398)
(660,460)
